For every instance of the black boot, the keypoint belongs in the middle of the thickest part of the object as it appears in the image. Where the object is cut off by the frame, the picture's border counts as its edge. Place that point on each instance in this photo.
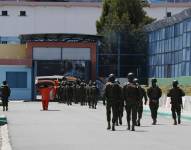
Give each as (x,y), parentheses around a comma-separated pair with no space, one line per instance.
(128,128)
(113,127)
(138,122)
(179,120)
(120,121)
(109,126)
(133,128)
(175,122)
(117,123)
(154,122)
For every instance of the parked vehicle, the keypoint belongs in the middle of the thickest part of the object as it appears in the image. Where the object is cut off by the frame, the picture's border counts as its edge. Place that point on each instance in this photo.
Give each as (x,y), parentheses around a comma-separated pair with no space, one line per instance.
(53,81)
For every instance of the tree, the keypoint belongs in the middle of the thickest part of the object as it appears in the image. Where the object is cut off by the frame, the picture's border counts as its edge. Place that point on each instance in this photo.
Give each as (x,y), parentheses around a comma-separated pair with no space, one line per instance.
(121,24)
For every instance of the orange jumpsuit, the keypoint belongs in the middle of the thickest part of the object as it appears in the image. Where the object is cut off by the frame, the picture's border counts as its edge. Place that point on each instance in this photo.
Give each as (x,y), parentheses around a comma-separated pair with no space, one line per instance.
(45,92)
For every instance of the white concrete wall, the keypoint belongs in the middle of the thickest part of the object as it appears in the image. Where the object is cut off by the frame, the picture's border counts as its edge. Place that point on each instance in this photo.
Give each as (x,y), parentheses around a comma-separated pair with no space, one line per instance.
(50,19)
(59,19)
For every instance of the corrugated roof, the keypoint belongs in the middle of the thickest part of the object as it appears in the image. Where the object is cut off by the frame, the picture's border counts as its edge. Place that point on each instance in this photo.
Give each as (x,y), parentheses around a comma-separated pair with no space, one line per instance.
(169,20)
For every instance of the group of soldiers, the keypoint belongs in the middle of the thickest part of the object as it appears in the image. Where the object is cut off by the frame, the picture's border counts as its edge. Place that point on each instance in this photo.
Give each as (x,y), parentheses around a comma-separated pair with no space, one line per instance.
(130,97)
(78,91)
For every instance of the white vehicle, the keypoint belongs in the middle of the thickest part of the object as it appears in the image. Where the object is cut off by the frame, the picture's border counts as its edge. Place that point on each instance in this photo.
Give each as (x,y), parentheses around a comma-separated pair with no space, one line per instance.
(53,78)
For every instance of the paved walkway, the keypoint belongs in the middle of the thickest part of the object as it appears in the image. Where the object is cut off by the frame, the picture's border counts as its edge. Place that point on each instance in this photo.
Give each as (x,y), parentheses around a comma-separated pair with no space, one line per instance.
(80,128)
(0,138)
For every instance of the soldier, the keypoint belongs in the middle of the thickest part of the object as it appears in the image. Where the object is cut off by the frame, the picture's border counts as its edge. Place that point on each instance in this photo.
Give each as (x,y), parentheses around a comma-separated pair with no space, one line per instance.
(78,98)
(154,93)
(112,92)
(120,105)
(94,94)
(176,94)
(140,102)
(66,87)
(70,93)
(131,96)
(88,93)
(61,91)
(82,93)
(74,92)
(5,93)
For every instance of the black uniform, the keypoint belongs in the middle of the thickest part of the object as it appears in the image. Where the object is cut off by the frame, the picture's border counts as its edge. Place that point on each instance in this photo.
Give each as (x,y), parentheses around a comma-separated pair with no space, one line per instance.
(93,96)
(112,94)
(176,95)
(82,94)
(154,93)
(74,93)
(78,93)
(140,103)
(5,93)
(120,107)
(70,94)
(131,97)
(88,95)
(59,93)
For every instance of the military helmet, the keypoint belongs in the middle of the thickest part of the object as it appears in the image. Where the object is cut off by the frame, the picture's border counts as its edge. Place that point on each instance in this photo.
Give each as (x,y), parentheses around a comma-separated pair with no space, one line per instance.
(130,76)
(111,77)
(90,82)
(4,82)
(154,80)
(174,82)
(117,81)
(136,80)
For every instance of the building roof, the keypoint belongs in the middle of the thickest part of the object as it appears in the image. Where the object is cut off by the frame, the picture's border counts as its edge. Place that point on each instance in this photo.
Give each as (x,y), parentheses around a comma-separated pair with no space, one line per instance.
(170,1)
(169,20)
(58,4)
(59,37)
(83,3)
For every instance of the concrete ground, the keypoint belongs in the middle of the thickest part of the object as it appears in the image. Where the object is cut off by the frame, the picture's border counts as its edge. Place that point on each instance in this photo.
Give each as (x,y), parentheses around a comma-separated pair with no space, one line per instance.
(80,128)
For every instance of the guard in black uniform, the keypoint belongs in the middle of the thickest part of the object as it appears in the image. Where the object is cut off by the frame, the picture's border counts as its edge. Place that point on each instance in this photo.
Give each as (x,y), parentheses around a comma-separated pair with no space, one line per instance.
(82,93)
(94,93)
(112,94)
(131,96)
(120,105)
(154,93)
(140,103)
(5,93)
(88,93)
(176,94)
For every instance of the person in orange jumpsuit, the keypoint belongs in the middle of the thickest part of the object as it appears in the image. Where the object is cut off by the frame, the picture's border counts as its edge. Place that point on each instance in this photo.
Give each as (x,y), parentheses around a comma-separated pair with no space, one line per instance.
(45,92)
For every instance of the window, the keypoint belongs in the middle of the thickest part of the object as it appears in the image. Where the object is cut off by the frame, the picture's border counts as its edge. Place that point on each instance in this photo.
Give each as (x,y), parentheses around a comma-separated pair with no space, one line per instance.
(22,13)
(4,13)
(17,79)
(9,40)
(3,42)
